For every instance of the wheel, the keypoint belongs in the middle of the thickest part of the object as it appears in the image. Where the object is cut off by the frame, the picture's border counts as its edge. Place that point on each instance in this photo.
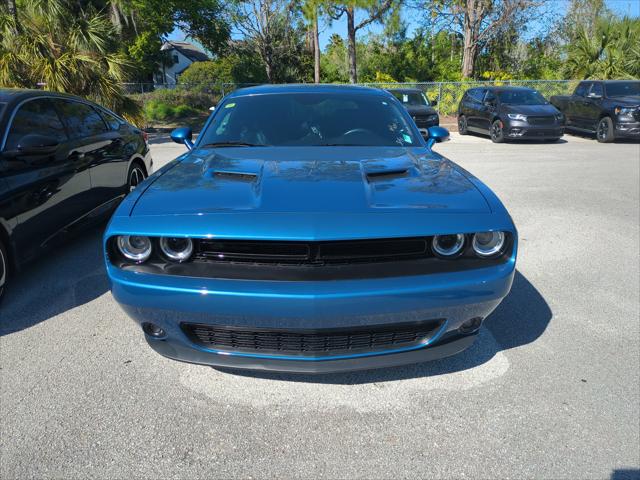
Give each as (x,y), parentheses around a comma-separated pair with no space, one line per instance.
(136,176)
(4,269)
(497,135)
(462,125)
(604,133)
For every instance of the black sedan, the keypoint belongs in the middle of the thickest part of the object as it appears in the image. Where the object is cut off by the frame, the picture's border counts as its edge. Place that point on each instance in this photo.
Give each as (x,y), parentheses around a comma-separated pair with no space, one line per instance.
(64,163)
(509,113)
(418,106)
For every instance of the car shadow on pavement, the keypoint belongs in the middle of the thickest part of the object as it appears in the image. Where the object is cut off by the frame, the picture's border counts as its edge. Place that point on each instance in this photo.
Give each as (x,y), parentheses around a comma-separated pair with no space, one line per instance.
(66,277)
(520,319)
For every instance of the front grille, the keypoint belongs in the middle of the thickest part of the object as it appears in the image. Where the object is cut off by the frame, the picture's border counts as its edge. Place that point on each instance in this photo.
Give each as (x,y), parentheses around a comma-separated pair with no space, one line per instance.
(548,120)
(311,253)
(425,121)
(311,342)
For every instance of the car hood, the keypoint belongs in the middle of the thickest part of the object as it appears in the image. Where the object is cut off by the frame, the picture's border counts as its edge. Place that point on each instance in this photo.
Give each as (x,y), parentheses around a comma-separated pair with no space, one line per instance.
(532,109)
(304,180)
(420,110)
(628,101)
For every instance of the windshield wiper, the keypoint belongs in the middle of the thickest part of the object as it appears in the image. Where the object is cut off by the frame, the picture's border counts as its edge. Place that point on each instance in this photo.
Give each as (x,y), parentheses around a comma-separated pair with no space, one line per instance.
(233,144)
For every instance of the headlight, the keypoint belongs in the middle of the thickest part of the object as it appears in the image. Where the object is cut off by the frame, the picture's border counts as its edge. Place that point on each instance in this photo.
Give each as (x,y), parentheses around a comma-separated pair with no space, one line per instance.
(134,247)
(487,244)
(176,249)
(448,245)
(624,111)
(517,116)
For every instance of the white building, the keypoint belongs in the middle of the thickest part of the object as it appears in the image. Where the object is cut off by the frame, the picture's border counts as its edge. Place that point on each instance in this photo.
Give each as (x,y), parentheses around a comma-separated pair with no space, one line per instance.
(179,55)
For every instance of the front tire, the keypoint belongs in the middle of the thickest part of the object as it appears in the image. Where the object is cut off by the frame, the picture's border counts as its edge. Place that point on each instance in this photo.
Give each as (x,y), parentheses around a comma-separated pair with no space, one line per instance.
(462,125)
(136,176)
(604,132)
(4,269)
(496,132)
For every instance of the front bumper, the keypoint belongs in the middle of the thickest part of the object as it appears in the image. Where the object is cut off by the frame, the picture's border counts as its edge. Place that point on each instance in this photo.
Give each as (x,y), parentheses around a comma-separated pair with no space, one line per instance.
(167,301)
(522,130)
(627,130)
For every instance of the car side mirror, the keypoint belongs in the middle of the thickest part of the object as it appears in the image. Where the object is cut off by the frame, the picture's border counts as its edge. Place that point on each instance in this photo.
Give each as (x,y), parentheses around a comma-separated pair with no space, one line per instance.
(35,144)
(434,102)
(183,136)
(437,135)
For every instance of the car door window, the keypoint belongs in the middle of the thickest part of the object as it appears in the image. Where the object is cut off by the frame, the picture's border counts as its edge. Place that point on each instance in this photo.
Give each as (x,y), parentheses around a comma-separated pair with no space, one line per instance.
(477,94)
(582,89)
(81,119)
(35,116)
(596,89)
(113,122)
(490,98)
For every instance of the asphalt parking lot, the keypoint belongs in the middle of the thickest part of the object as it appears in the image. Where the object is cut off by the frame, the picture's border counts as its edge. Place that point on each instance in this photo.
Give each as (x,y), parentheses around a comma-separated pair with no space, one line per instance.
(551,389)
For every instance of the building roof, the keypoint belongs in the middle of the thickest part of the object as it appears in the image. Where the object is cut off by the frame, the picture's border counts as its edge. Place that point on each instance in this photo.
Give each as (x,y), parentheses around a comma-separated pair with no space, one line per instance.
(189,50)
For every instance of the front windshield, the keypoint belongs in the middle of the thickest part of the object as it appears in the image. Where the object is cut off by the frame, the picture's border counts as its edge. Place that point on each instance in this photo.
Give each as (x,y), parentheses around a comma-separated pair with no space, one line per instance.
(410,98)
(309,119)
(521,97)
(622,89)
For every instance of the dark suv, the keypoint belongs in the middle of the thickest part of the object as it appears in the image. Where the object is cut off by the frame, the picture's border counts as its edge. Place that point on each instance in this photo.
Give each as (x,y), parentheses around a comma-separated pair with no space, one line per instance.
(509,113)
(418,106)
(64,163)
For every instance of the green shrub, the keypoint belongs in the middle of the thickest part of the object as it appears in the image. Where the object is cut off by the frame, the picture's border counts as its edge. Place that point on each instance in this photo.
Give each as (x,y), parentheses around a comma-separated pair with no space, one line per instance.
(157,110)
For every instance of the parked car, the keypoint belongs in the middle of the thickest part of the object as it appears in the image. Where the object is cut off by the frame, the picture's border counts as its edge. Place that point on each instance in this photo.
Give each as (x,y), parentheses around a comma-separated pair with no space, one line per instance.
(333,239)
(610,109)
(64,162)
(509,113)
(418,106)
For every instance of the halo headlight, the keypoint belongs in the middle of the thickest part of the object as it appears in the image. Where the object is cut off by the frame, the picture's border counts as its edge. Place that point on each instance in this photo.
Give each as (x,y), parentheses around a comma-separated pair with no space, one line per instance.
(488,244)
(448,245)
(176,249)
(134,247)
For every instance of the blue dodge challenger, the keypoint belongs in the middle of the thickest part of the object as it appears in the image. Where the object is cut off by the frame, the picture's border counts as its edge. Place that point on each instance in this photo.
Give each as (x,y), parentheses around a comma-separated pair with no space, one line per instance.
(310,229)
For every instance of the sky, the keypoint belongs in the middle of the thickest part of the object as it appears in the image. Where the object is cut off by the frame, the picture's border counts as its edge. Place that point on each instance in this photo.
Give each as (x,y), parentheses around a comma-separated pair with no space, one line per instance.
(620,7)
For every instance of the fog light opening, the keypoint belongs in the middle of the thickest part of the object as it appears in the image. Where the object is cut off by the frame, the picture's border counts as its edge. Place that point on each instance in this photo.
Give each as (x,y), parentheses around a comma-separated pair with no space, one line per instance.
(471,326)
(153,330)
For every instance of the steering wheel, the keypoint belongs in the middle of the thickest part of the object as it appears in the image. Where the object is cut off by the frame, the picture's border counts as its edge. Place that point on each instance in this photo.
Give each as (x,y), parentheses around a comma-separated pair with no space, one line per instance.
(354,131)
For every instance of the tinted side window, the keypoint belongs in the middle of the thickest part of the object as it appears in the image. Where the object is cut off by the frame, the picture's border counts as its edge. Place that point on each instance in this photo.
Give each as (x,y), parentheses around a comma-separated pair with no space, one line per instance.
(112,121)
(82,120)
(35,116)
(475,95)
(491,97)
(582,89)
(597,89)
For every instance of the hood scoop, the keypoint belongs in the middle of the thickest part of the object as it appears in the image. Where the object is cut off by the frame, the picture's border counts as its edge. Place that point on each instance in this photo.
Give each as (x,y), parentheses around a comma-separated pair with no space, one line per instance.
(386,174)
(387,169)
(223,168)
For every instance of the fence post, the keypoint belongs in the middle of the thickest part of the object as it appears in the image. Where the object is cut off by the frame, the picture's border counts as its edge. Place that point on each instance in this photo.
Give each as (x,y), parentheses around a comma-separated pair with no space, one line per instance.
(439,96)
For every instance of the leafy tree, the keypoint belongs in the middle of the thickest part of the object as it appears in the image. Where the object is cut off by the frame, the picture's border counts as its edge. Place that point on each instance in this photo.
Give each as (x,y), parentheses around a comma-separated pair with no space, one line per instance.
(477,21)
(65,52)
(373,10)
(612,50)
(274,30)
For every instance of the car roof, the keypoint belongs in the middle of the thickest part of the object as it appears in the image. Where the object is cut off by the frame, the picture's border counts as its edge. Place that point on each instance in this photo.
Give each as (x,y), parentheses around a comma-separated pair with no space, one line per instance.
(404,90)
(306,88)
(9,95)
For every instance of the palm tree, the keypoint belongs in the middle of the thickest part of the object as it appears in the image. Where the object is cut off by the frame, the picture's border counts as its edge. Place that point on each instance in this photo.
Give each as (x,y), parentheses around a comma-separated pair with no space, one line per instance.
(59,51)
(612,50)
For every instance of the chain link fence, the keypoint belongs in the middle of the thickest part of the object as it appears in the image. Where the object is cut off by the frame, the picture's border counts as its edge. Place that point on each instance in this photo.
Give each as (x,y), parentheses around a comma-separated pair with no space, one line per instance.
(165,102)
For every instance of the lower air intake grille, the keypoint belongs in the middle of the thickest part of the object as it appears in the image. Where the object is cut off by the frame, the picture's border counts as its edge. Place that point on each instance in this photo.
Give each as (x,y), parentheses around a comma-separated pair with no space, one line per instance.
(548,120)
(311,342)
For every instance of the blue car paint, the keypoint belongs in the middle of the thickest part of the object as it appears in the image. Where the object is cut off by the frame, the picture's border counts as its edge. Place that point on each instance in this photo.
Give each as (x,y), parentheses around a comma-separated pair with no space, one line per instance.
(186,199)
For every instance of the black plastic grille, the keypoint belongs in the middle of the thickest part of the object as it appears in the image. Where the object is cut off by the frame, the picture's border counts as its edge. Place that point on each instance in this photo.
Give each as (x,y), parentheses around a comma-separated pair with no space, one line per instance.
(312,253)
(548,120)
(310,342)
